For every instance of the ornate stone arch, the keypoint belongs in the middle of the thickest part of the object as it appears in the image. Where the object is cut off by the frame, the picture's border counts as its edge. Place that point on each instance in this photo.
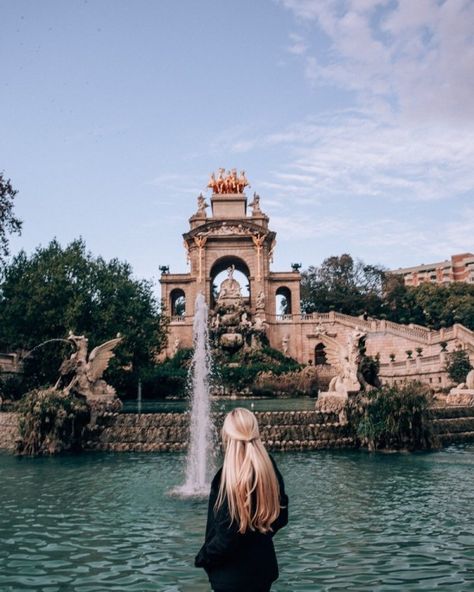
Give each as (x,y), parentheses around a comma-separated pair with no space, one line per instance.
(177,302)
(320,358)
(223,263)
(283,292)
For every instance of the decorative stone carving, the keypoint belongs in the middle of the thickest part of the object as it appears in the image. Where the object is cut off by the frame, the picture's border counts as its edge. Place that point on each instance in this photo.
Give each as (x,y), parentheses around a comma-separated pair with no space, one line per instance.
(226,229)
(228,182)
(202,205)
(463,393)
(176,345)
(229,291)
(284,344)
(261,300)
(231,340)
(255,205)
(86,372)
(346,358)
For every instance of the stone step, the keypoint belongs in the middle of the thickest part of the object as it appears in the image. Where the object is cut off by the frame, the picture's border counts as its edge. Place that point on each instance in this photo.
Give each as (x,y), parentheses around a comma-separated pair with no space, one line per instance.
(457,438)
(174,434)
(274,445)
(451,412)
(454,425)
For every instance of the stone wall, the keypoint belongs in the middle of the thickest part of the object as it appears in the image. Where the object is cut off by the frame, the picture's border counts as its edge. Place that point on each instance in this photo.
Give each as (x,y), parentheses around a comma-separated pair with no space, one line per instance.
(8,431)
(280,430)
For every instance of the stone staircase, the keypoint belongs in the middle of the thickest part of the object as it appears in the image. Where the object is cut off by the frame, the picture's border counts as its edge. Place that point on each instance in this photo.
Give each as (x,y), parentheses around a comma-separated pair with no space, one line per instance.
(453,425)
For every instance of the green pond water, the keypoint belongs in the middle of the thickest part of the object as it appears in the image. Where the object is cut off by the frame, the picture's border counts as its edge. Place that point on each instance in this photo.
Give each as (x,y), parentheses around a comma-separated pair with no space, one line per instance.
(179,406)
(358,521)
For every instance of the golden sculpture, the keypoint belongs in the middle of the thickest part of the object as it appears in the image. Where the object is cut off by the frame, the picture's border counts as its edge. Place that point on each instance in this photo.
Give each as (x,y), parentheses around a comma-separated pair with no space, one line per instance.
(228,183)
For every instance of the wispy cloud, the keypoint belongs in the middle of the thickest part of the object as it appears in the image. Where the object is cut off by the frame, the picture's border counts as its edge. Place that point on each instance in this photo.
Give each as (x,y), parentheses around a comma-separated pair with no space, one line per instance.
(417,55)
(408,131)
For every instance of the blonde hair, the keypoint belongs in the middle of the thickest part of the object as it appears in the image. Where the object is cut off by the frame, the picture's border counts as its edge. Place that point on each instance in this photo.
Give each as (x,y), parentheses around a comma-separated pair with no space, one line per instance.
(248,483)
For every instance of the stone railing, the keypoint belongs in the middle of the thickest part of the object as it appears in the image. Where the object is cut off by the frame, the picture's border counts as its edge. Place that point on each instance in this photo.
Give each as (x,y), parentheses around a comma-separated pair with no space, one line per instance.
(413,331)
(178,318)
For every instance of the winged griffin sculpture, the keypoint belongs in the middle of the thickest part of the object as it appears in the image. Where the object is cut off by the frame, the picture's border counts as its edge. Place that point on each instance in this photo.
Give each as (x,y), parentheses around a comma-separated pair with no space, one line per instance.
(346,359)
(84,372)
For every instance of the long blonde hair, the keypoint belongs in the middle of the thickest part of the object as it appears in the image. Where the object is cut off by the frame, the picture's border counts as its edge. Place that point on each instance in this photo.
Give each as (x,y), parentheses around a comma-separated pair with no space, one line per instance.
(248,483)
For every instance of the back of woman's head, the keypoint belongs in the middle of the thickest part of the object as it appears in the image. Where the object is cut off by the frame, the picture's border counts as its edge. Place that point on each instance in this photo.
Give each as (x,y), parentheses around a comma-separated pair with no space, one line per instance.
(249,483)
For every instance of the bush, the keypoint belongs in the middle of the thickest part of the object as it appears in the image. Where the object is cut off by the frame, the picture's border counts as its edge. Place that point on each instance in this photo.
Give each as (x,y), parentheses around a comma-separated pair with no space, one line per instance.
(299,383)
(11,386)
(458,365)
(51,422)
(239,372)
(168,378)
(394,418)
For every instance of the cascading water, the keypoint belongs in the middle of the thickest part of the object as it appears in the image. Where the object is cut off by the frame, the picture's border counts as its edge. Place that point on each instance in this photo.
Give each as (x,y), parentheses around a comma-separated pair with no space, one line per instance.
(199,460)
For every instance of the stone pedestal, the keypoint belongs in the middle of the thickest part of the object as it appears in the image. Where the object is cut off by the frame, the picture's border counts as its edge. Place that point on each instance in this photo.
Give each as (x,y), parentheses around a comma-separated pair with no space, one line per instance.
(334,402)
(460,397)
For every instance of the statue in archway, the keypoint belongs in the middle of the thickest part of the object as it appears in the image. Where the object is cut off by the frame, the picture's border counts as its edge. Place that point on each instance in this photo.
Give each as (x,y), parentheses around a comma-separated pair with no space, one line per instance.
(229,291)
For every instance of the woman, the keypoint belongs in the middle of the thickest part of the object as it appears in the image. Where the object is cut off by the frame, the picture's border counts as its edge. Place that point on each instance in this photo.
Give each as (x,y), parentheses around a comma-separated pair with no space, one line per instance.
(247,505)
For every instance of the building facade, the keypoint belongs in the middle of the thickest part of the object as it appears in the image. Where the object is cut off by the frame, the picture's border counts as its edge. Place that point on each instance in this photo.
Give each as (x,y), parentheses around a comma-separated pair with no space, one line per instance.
(460,268)
(236,236)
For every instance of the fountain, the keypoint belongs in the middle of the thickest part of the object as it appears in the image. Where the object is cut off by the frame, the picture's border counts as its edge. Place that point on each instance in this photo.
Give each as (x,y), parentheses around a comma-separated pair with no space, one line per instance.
(199,460)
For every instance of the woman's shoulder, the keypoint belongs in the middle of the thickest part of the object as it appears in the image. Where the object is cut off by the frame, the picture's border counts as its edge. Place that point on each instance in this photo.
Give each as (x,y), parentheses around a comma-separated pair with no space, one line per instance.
(216,479)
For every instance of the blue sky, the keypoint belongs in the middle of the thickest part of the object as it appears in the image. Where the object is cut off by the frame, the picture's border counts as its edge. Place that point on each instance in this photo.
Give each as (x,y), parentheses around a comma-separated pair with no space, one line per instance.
(353,119)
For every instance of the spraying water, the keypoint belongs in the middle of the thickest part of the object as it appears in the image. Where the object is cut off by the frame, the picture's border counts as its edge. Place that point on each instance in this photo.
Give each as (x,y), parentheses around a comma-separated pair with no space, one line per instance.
(199,461)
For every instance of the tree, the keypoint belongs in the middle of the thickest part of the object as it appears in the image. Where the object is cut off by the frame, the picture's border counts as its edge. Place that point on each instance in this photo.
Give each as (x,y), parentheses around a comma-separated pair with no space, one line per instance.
(344,285)
(59,290)
(8,222)
(432,305)
(458,365)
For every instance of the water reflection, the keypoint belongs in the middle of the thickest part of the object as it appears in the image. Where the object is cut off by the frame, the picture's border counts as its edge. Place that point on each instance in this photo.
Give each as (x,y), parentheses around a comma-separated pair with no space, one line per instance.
(104,522)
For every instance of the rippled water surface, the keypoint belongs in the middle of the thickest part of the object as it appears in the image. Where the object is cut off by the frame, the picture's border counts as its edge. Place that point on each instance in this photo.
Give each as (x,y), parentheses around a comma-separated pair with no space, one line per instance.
(220,404)
(104,522)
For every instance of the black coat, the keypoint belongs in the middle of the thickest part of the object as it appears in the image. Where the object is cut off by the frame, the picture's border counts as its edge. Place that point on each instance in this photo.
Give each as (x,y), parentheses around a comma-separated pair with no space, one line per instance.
(235,561)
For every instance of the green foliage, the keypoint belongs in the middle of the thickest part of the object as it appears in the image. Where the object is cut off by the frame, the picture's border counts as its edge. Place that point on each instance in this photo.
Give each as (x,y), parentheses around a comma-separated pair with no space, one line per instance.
(57,290)
(168,379)
(354,288)
(395,418)
(430,305)
(458,365)
(9,224)
(369,369)
(238,373)
(343,285)
(11,386)
(51,422)
(304,382)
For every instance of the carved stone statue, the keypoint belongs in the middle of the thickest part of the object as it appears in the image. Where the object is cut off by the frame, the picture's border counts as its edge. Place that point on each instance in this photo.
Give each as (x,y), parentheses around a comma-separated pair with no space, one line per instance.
(202,205)
(229,291)
(284,344)
(255,205)
(85,372)
(260,300)
(228,183)
(346,358)
(176,345)
(463,393)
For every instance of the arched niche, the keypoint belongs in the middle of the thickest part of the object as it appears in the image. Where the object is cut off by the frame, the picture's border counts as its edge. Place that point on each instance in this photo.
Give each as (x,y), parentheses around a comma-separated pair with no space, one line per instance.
(320,355)
(283,305)
(178,302)
(219,273)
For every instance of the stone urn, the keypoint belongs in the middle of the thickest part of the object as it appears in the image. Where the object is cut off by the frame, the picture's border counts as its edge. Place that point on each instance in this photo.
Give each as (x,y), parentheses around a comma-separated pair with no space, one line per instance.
(231,340)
